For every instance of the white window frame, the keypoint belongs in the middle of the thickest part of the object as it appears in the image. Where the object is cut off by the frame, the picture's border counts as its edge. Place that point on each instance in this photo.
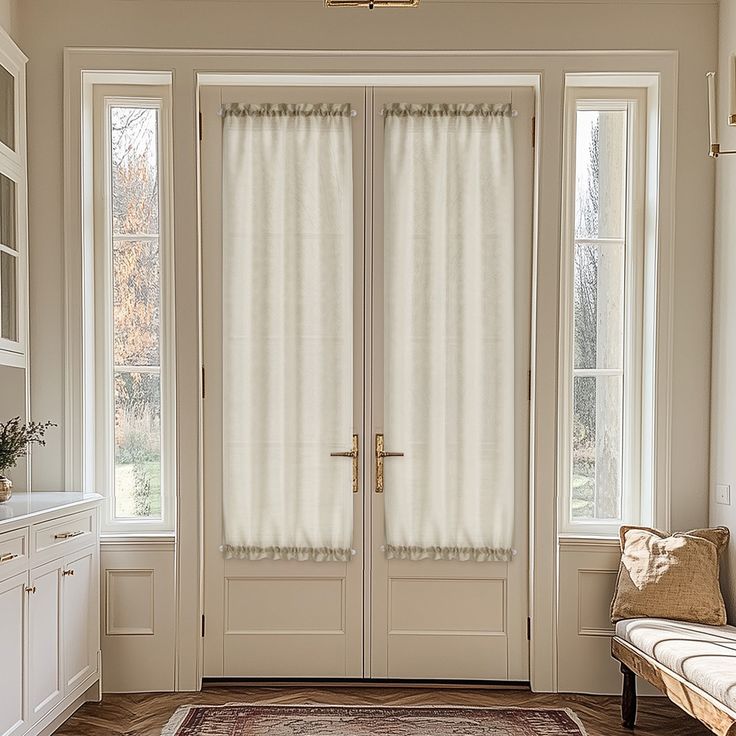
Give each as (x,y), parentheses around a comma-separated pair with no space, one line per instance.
(636,501)
(104,98)
(13,166)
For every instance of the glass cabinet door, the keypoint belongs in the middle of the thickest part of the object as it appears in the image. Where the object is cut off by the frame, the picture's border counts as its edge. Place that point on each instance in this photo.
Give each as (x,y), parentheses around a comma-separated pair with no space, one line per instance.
(7,108)
(13,205)
(8,261)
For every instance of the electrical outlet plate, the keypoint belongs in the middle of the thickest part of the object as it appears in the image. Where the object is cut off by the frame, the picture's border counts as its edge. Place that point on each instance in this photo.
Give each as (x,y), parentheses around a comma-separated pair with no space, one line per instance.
(723,494)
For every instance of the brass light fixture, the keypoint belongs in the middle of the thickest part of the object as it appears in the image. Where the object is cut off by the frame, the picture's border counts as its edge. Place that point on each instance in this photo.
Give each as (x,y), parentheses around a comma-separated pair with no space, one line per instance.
(370,4)
(714,148)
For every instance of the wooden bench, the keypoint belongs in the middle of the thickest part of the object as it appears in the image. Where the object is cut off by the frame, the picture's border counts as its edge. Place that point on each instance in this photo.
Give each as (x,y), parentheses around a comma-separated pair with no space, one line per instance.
(693,665)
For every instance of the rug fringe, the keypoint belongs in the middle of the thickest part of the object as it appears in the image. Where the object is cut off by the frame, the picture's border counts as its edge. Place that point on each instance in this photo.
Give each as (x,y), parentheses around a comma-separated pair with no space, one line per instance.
(576,718)
(172,726)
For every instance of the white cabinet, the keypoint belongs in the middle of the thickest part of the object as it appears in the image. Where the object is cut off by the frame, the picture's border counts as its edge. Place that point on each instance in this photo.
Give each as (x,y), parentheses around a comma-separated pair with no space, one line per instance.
(45,687)
(49,618)
(79,596)
(12,645)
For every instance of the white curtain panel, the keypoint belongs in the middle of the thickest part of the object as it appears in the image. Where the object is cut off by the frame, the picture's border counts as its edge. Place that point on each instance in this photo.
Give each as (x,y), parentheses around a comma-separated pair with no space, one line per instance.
(449,331)
(287,331)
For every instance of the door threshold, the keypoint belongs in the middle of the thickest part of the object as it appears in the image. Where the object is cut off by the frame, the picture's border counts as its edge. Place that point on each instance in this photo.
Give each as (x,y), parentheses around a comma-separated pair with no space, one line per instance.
(209,682)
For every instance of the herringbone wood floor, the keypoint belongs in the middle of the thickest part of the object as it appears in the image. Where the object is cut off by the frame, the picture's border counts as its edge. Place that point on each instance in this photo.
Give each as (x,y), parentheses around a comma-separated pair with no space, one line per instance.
(145,714)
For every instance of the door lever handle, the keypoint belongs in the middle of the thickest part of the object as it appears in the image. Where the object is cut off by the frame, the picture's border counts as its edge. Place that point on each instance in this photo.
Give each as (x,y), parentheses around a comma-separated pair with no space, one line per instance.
(353,453)
(380,454)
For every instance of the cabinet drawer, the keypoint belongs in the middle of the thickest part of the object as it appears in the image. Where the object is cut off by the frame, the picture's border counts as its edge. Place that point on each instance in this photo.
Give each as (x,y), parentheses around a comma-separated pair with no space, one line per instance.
(13,552)
(67,532)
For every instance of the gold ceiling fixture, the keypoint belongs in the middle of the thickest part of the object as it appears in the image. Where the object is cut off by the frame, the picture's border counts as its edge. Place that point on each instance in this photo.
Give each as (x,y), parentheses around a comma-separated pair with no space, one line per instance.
(370,4)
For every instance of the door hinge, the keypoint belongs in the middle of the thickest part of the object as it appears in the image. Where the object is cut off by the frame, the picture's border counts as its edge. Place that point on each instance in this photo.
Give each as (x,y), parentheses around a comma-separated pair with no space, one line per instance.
(528,629)
(534,131)
(203,626)
(200,126)
(203,392)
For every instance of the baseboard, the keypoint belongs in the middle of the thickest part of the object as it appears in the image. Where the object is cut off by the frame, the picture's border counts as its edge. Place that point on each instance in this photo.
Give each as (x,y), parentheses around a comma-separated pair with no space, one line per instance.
(360,682)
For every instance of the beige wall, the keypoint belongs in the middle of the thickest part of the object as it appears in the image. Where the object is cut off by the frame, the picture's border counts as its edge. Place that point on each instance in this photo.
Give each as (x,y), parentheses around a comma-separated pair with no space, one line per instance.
(47,26)
(8,16)
(723,425)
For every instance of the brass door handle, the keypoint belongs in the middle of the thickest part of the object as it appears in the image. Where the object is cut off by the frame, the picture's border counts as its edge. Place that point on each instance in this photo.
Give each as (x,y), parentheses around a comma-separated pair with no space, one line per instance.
(380,454)
(354,453)
(8,556)
(67,572)
(31,590)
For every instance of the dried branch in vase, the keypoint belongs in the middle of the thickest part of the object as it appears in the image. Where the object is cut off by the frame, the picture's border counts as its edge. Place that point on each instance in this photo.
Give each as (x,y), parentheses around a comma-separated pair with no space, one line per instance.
(16,439)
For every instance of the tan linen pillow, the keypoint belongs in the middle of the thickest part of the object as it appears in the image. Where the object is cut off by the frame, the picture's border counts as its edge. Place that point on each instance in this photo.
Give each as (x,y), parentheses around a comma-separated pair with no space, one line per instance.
(674,577)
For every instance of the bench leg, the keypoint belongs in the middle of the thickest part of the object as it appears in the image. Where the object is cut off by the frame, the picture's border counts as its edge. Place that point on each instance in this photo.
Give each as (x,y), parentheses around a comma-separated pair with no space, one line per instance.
(628,698)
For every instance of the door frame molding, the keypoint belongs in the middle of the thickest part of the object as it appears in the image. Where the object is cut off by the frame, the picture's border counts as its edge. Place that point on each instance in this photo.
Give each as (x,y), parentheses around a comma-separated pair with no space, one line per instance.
(545,71)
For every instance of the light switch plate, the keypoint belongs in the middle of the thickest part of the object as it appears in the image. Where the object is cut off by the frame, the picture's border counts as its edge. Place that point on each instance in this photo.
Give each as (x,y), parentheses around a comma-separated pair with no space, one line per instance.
(723,494)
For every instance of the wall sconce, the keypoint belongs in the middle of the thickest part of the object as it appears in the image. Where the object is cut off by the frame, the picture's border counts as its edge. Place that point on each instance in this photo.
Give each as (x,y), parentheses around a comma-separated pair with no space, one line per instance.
(715,148)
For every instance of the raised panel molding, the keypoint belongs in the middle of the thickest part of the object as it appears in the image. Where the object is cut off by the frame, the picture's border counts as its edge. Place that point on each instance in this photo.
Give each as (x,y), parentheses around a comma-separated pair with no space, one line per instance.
(288,605)
(429,606)
(129,603)
(595,587)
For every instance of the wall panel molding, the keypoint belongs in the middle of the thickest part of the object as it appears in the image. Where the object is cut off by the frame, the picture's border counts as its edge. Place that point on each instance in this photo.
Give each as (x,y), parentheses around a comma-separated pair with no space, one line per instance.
(129,602)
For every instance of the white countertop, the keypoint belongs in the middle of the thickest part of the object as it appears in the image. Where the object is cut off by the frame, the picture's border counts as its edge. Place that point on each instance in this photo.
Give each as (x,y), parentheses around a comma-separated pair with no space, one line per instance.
(25,508)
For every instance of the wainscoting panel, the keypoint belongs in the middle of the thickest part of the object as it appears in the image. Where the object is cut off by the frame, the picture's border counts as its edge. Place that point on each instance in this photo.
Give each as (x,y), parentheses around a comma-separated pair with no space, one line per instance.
(587,575)
(122,587)
(431,606)
(138,616)
(588,569)
(286,605)
(595,587)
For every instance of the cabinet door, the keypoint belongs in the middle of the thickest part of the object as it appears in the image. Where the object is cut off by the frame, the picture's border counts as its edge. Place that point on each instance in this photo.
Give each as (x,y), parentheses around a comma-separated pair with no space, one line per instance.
(44,639)
(12,650)
(80,622)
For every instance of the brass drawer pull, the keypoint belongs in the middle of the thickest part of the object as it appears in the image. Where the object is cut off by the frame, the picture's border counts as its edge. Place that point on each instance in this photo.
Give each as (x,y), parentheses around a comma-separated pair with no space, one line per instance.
(354,453)
(68,535)
(380,454)
(64,573)
(8,556)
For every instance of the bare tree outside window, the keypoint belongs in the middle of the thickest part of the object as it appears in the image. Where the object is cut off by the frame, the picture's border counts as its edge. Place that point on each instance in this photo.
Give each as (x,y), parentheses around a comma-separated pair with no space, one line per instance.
(598,315)
(136,266)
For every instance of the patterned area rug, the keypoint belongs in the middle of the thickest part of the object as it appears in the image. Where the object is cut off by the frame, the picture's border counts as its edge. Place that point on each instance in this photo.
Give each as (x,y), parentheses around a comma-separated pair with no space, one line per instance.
(307,720)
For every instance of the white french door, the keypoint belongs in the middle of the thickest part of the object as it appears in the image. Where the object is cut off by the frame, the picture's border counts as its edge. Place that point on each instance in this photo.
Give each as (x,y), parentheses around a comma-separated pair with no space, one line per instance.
(431,363)
(359,615)
(282,617)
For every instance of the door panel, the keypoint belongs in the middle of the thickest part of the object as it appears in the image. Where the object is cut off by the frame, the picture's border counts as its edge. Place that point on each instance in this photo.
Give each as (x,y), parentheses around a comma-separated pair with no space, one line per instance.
(280,618)
(13,636)
(44,639)
(79,617)
(420,625)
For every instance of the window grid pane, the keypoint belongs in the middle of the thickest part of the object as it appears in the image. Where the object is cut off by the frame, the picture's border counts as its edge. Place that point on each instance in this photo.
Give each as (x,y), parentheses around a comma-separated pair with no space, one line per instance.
(8,234)
(137,445)
(598,316)
(136,311)
(135,179)
(597,448)
(7,108)
(8,297)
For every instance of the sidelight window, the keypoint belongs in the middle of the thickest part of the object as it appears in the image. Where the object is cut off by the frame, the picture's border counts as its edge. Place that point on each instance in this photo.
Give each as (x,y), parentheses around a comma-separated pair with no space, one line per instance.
(602,314)
(133,270)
